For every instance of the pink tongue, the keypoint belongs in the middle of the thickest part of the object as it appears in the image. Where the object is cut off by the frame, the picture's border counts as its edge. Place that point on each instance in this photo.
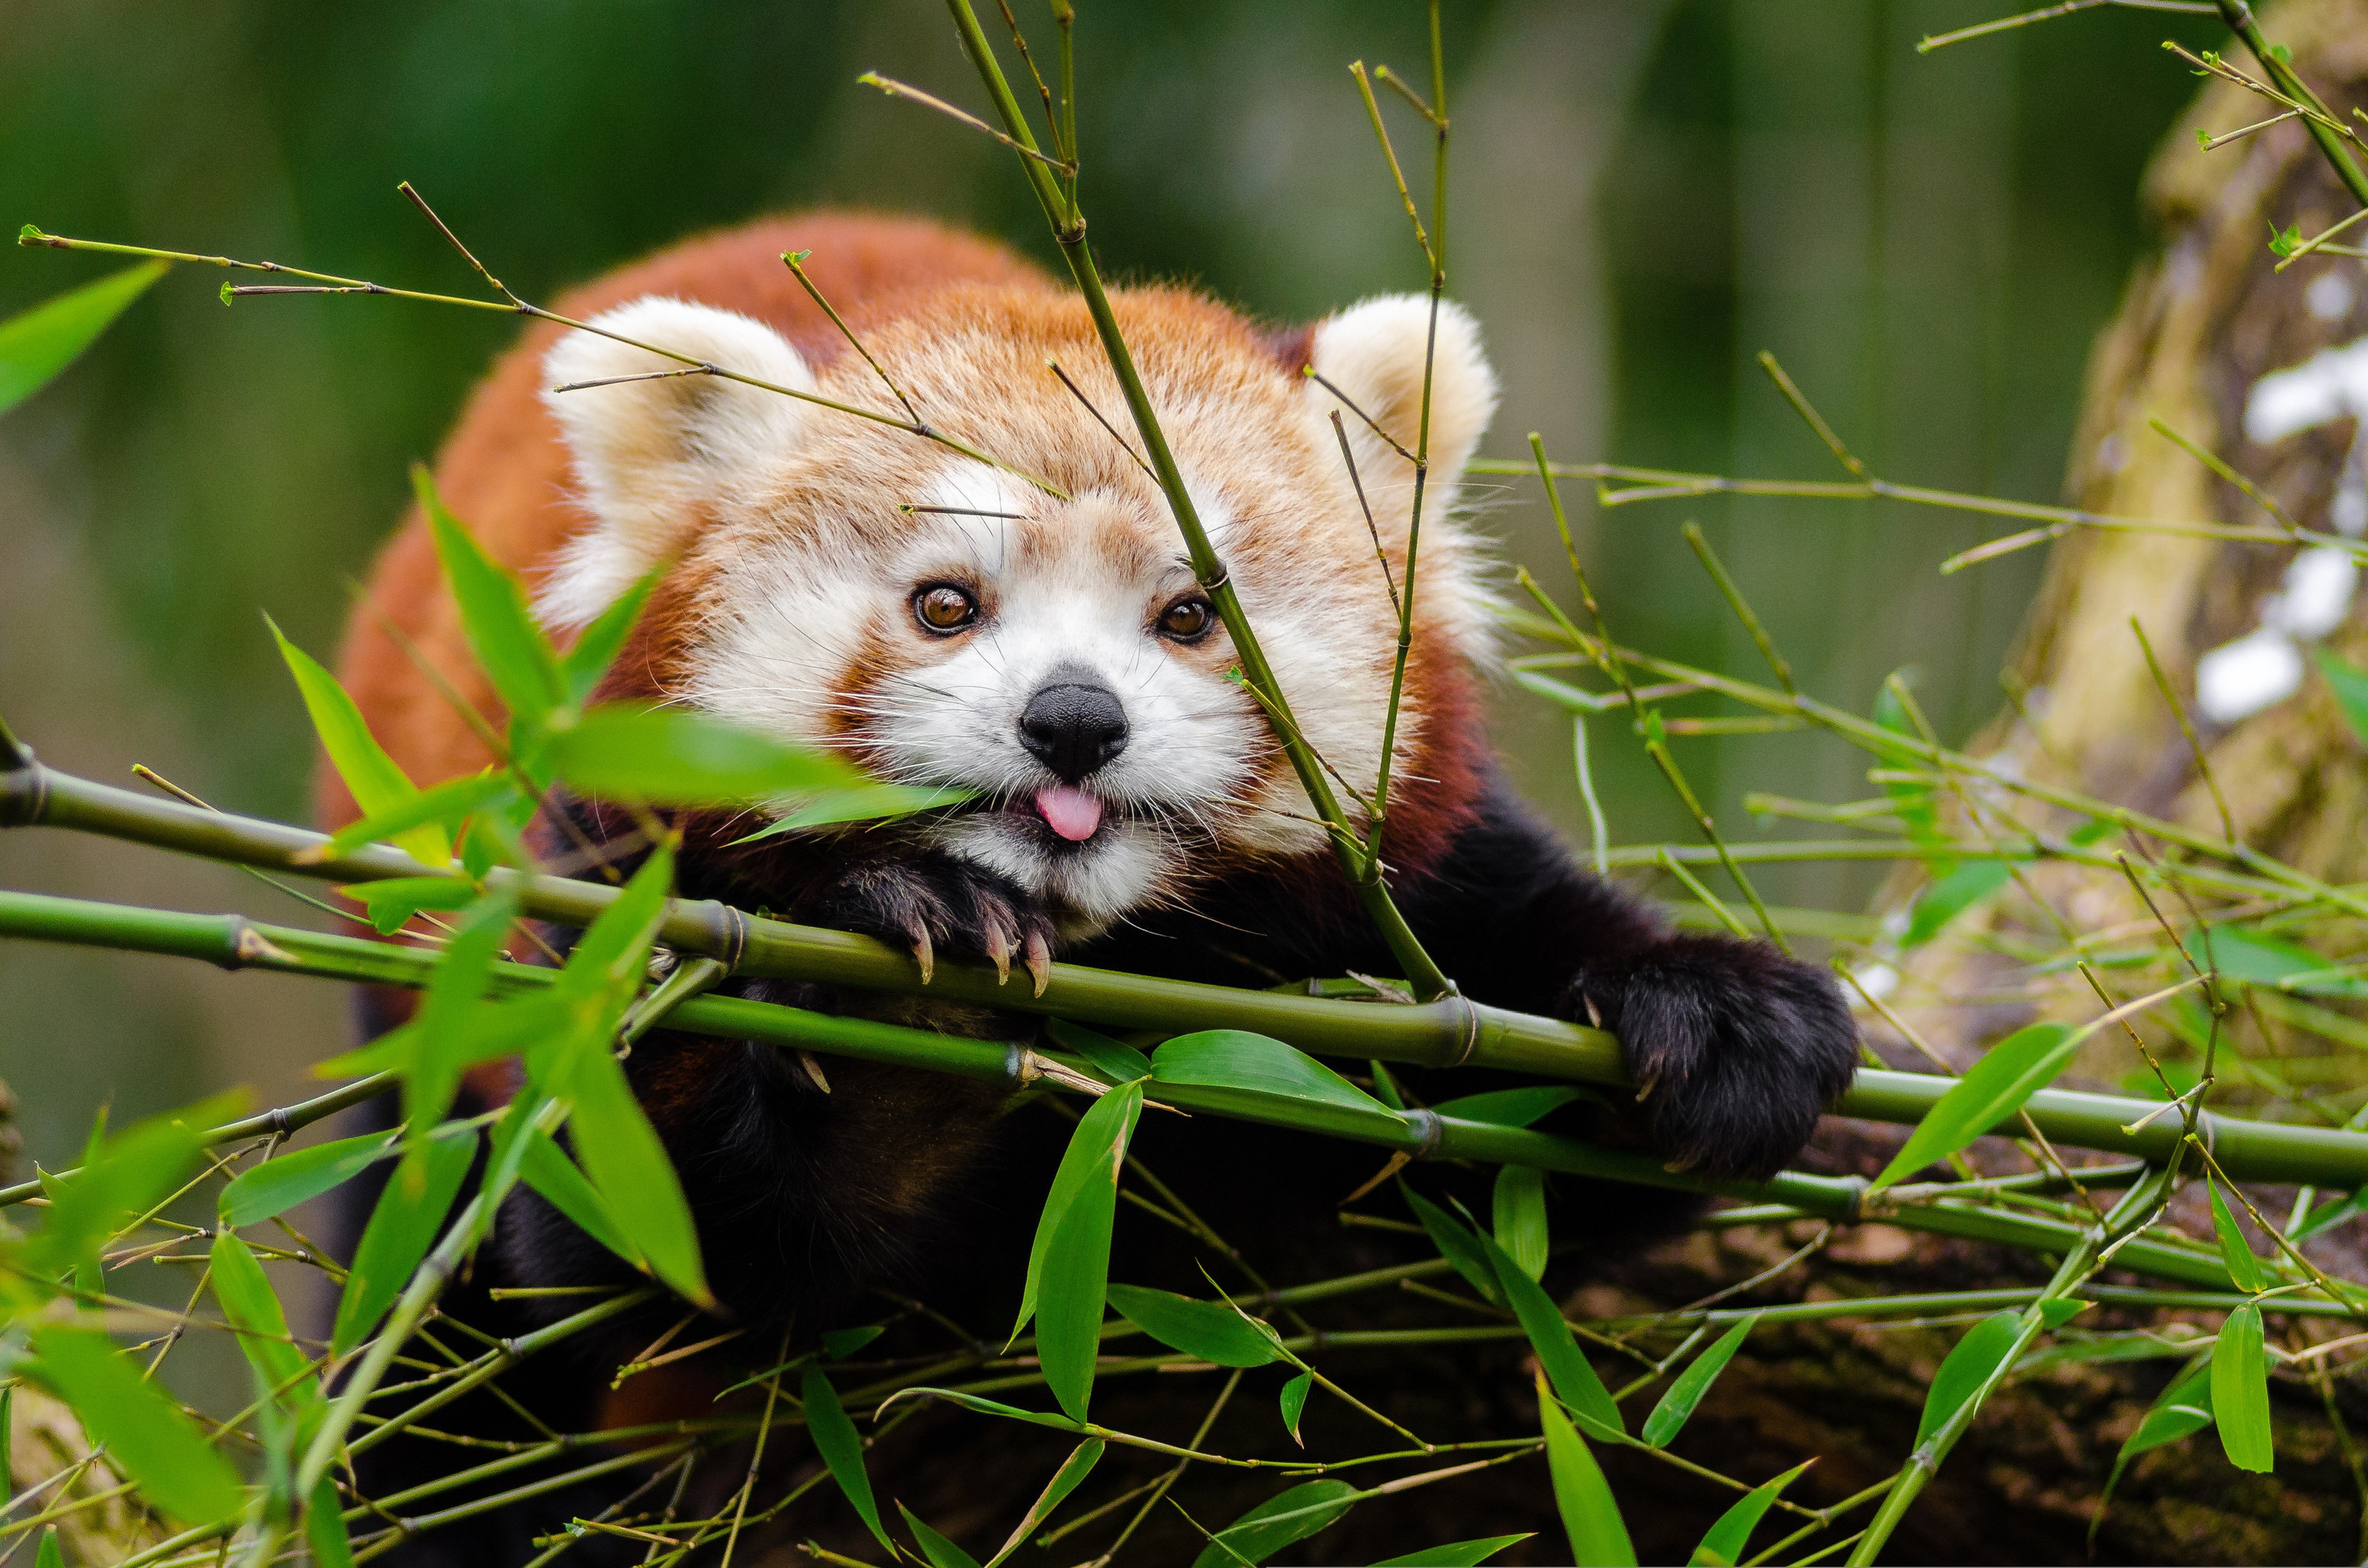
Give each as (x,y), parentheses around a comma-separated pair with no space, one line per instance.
(1072,813)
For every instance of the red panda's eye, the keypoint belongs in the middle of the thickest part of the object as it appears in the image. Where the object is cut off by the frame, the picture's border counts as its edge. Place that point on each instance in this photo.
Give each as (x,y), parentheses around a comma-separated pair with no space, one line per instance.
(1187,619)
(944,608)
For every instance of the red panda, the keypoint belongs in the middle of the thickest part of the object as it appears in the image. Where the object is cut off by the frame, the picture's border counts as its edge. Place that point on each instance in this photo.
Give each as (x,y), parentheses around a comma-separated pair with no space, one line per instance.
(840,582)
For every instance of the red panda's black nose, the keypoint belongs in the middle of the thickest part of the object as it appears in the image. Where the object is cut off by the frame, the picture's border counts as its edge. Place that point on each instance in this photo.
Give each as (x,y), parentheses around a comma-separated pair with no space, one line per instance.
(1073,728)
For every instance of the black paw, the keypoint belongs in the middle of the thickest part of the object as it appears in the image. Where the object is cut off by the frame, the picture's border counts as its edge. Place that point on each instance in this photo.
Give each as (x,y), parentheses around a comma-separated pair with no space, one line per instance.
(1736,1049)
(937,906)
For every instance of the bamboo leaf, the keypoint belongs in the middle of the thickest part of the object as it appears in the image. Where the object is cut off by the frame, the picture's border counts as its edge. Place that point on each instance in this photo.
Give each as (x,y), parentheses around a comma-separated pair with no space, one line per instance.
(324,1528)
(370,776)
(864,802)
(1074,1470)
(402,1226)
(1677,1406)
(2244,1267)
(1456,1245)
(1518,1214)
(440,1041)
(444,805)
(1109,1119)
(1514,1107)
(2327,1215)
(252,1311)
(2240,1392)
(1455,1554)
(35,344)
(50,1555)
(1073,1283)
(1722,1546)
(1236,1059)
(389,904)
(548,1170)
(583,666)
(1287,1517)
(679,757)
(1966,1370)
(1557,1350)
(842,1450)
(120,1178)
(629,1168)
(147,1435)
(941,1552)
(1590,1516)
(2350,684)
(1118,1062)
(1209,1330)
(2009,1074)
(1294,1401)
(838,1343)
(1947,897)
(510,648)
(2185,1407)
(985,1406)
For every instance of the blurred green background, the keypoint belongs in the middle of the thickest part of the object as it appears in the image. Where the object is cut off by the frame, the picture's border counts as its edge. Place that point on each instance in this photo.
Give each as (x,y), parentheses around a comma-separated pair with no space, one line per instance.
(1646,193)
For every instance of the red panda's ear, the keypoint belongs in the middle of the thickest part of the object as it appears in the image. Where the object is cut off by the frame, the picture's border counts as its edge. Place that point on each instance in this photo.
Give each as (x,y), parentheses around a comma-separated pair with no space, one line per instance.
(648,452)
(1373,352)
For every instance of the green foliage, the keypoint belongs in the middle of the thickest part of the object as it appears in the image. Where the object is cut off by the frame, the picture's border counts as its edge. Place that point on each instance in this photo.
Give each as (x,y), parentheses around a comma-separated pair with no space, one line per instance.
(1456,1245)
(145,1433)
(842,1450)
(376,783)
(1287,1517)
(37,343)
(1252,1071)
(2243,1266)
(403,1225)
(1070,1266)
(1574,1382)
(1514,1107)
(1074,1470)
(2240,1392)
(1209,1330)
(1967,1370)
(1996,1087)
(941,1553)
(1723,1545)
(1677,1406)
(1454,1554)
(1518,1213)
(1293,1402)
(1590,1516)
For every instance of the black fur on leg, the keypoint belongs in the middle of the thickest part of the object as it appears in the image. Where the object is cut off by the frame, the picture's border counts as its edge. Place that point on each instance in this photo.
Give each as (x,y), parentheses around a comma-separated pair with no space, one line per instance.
(1736,1049)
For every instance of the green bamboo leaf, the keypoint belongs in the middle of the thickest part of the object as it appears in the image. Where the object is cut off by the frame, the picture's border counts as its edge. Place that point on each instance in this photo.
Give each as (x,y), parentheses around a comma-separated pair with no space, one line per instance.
(389,904)
(121,1177)
(941,1552)
(2009,1074)
(1947,897)
(838,1343)
(370,776)
(985,1406)
(1236,1059)
(1073,1284)
(1966,1370)
(50,1555)
(1677,1406)
(1518,1214)
(402,1227)
(680,757)
(1294,1400)
(1590,1516)
(2244,1267)
(1514,1107)
(1456,1245)
(1557,1350)
(629,1168)
(2183,1408)
(2350,684)
(253,1311)
(324,1528)
(548,1170)
(1075,1469)
(445,805)
(842,1450)
(1455,1554)
(865,803)
(440,1048)
(1288,1517)
(1723,1547)
(147,1437)
(1108,1120)
(1212,1331)
(611,959)
(2240,1392)
(2252,958)
(587,663)
(2329,1214)
(1118,1062)
(510,648)
(36,345)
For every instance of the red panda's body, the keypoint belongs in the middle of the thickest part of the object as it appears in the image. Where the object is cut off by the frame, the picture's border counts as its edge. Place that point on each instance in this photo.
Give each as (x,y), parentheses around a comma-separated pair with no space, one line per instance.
(1040,642)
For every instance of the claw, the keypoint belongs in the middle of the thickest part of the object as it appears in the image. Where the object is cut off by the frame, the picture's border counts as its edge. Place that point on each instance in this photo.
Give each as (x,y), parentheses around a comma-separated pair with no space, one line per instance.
(1593,1016)
(998,948)
(923,953)
(1039,960)
(813,1071)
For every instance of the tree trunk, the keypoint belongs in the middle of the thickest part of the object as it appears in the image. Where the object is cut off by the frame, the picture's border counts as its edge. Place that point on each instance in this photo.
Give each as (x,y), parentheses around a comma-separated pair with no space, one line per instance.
(2202,326)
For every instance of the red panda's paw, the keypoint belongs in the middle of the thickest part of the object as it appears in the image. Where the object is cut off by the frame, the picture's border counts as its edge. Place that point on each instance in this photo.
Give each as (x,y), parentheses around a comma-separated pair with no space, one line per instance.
(1736,1050)
(941,907)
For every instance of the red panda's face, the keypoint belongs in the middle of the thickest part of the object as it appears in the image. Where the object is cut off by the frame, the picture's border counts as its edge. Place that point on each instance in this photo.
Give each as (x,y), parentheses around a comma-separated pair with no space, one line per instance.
(1036,637)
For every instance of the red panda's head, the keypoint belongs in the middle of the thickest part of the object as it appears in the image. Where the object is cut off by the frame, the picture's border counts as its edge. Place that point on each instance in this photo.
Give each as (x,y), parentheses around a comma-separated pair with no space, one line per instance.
(841,581)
